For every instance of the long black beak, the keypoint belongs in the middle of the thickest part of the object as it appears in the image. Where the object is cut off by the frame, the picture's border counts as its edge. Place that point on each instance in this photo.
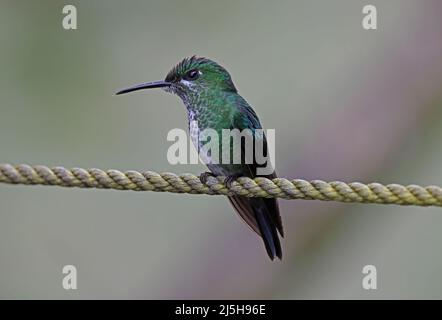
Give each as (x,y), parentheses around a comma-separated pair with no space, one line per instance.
(147,85)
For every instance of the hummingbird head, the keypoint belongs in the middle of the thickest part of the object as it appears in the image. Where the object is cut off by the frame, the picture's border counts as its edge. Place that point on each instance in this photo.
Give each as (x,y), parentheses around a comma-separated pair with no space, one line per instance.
(192,76)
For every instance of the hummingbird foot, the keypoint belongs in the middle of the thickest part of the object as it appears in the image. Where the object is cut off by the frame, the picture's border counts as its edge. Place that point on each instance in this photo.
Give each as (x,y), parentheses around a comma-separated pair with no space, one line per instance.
(205,176)
(230,179)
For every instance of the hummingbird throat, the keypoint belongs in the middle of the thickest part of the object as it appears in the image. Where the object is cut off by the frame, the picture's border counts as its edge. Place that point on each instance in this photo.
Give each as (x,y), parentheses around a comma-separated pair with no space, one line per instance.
(223,147)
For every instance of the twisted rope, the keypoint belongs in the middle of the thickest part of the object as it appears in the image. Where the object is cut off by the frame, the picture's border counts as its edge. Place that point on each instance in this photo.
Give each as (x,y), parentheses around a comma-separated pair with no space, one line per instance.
(189,183)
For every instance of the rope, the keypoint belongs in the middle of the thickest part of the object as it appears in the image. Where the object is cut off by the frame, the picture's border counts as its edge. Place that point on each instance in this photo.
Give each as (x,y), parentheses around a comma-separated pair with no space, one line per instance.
(189,183)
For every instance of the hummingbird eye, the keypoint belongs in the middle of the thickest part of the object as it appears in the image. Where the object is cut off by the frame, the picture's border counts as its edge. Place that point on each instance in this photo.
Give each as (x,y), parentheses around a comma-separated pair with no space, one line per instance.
(192,75)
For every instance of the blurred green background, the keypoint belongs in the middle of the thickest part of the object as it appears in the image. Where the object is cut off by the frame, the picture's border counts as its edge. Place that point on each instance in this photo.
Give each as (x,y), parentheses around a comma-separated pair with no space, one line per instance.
(346,103)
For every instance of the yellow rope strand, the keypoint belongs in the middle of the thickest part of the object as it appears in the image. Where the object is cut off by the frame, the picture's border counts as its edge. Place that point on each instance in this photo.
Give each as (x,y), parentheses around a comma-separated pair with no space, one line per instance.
(189,183)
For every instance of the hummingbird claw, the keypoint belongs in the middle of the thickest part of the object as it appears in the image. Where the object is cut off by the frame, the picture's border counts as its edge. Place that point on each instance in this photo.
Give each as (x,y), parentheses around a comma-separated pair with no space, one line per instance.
(205,176)
(229,180)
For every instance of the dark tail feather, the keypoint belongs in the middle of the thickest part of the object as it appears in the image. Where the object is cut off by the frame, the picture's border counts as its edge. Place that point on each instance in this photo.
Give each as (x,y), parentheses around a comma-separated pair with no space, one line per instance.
(269,234)
(262,215)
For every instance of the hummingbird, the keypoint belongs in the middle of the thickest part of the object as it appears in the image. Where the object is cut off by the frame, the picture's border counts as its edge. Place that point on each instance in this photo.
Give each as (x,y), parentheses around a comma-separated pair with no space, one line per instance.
(213,102)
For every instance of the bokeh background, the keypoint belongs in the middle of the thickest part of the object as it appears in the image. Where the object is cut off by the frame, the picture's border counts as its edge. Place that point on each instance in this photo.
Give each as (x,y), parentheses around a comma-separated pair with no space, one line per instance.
(346,103)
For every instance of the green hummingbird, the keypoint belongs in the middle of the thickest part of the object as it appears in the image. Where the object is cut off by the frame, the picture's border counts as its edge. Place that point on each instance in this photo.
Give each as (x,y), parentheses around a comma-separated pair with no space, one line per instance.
(212,102)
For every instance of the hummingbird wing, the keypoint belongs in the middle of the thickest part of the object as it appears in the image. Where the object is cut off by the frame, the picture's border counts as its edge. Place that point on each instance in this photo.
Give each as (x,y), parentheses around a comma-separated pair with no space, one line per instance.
(261,214)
